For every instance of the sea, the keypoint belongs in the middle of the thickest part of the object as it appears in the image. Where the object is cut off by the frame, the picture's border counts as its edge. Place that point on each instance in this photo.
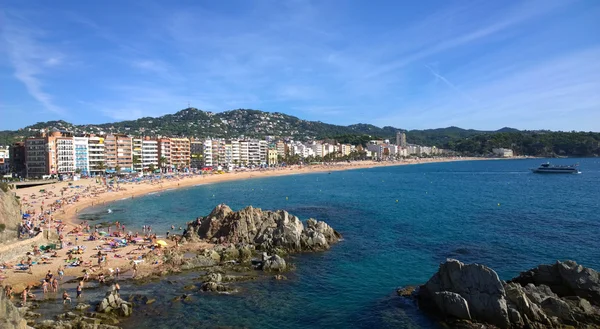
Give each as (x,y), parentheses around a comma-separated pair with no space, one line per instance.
(399,223)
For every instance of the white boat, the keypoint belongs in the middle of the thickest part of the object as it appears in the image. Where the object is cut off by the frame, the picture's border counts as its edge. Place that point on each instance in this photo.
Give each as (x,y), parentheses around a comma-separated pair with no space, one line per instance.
(547,168)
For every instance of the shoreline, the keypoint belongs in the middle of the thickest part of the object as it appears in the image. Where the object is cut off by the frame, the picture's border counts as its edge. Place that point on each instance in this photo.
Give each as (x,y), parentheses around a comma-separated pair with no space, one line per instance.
(69,212)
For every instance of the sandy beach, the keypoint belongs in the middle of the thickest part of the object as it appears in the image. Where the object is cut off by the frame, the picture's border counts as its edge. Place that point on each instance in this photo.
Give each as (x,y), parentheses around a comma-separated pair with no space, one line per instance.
(78,195)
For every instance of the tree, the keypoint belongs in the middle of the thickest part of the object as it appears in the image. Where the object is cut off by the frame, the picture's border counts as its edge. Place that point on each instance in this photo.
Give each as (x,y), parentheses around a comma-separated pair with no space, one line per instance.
(162,162)
(151,168)
(78,171)
(118,169)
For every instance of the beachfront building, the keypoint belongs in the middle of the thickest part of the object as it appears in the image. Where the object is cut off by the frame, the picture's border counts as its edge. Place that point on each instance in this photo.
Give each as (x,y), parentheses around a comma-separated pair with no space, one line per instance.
(4,159)
(345,149)
(119,152)
(272,155)
(196,154)
(220,152)
(235,152)
(164,153)
(254,152)
(228,153)
(244,153)
(82,160)
(317,149)
(65,155)
(96,155)
(149,154)
(264,149)
(17,159)
(137,154)
(37,159)
(281,148)
(207,153)
(180,152)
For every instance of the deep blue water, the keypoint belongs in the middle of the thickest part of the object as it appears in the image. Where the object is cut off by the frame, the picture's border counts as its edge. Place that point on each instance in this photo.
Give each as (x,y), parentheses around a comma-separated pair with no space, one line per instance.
(398,224)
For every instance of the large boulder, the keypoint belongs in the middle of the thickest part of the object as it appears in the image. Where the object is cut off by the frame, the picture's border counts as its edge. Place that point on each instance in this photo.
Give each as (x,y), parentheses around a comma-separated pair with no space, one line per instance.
(273,263)
(565,279)
(478,285)
(549,296)
(266,230)
(10,215)
(112,303)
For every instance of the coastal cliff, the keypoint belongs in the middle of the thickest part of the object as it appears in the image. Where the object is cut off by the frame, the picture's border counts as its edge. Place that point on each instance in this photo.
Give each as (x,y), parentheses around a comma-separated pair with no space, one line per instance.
(9,216)
(561,295)
(272,231)
(10,317)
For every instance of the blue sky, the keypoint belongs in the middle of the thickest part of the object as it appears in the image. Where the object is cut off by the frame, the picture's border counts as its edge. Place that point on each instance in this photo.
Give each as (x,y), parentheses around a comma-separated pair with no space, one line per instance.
(409,64)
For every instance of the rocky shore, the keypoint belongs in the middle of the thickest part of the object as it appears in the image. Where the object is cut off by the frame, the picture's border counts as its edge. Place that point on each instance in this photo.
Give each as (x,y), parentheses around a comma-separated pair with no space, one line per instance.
(561,295)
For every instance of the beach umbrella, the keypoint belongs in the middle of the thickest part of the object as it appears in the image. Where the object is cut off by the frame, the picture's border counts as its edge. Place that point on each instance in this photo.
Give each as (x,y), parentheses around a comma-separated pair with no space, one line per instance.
(161,243)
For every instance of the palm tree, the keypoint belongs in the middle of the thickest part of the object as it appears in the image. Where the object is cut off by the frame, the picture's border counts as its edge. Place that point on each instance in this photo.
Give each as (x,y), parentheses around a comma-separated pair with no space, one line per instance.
(101,166)
(162,162)
(151,168)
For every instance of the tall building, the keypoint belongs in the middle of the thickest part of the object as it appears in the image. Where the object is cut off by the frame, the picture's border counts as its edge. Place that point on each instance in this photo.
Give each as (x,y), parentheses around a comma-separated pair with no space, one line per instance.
(82,160)
(149,154)
(207,153)
(264,149)
(244,153)
(17,159)
(136,154)
(164,153)
(197,154)
(180,152)
(119,152)
(65,155)
(280,148)
(37,157)
(254,152)
(235,152)
(96,155)
(228,153)
(403,140)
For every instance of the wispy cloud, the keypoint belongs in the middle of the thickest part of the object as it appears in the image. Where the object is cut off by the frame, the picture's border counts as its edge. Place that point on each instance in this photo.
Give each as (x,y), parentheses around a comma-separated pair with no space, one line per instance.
(30,58)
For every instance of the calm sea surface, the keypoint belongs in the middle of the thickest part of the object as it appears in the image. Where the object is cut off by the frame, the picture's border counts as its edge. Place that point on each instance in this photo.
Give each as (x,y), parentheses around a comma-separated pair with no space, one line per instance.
(399,223)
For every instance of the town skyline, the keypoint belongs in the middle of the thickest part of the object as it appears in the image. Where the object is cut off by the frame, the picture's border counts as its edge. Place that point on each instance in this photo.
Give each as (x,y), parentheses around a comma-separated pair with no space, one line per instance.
(480,65)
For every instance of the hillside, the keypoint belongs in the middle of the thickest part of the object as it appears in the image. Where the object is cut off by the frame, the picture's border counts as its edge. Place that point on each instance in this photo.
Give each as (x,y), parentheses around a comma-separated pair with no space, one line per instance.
(192,122)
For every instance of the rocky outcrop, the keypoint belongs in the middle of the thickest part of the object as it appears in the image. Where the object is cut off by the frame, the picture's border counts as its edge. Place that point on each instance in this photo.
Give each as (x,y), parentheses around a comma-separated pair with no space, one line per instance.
(266,230)
(112,303)
(10,317)
(549,296)
(9,216)
(273,263)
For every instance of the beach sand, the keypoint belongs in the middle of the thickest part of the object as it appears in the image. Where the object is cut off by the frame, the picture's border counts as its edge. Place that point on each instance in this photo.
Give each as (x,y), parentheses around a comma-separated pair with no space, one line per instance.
(97,195)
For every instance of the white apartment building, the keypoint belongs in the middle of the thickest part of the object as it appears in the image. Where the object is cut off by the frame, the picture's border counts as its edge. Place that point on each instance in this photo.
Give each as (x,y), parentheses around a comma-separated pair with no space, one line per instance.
(317,149)
(208,156)
(96,155)
(228,153)
(65,155)
(82,160)
(149,154)
(235,152)
(254,152)
(280,148)
(244,153)
(137,155)
(264,151)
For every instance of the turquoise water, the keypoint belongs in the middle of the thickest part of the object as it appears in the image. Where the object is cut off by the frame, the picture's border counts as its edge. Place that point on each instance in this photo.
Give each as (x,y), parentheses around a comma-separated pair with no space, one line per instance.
(399,223)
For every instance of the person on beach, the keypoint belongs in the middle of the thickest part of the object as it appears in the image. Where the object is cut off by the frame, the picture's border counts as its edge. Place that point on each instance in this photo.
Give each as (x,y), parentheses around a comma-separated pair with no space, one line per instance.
(135,268)
(24,296)
(45,286)
(61,272)
(79,289)
(117,272)
(8,291)
(66,297)
(48,276)
(55,285)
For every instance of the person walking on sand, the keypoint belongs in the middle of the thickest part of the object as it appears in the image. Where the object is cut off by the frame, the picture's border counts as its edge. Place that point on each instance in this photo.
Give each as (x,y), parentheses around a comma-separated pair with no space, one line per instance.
(66,297)
(135,268)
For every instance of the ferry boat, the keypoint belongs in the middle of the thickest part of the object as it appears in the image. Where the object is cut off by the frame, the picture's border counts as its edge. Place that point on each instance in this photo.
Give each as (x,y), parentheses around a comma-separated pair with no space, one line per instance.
(546,168)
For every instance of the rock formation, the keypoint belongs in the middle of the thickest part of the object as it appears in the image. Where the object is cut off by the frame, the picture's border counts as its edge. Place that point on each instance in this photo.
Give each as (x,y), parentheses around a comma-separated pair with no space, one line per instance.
(113,303)
(266,230)
(549,296)
(9,216)
(10,317)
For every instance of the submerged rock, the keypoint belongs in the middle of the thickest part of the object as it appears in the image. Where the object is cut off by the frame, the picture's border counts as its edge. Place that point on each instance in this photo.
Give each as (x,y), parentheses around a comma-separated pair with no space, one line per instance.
(267,230)
(549,296)
(273,263)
